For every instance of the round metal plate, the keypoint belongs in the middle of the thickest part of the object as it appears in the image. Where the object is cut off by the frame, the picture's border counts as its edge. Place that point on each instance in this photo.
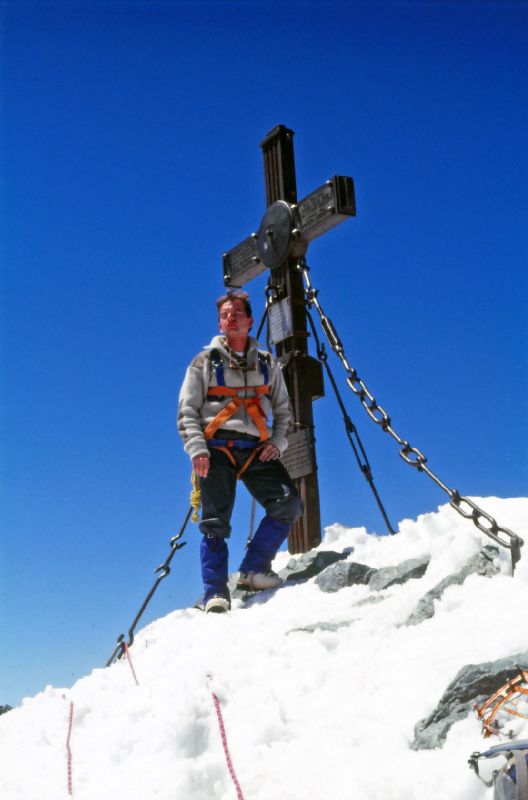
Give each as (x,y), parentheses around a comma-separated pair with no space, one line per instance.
(274,234)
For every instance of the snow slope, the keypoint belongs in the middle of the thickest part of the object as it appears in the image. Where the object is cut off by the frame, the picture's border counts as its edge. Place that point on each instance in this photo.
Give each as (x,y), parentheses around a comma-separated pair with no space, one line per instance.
(320,714)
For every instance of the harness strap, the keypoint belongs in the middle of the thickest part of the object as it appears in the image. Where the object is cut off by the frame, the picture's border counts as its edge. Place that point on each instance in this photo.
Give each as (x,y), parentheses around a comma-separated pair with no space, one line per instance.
(218,367)
(251,404)
(237,444)
(231,457)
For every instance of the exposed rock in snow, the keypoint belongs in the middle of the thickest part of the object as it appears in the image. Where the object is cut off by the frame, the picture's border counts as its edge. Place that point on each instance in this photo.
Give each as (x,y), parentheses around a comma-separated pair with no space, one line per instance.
(484,563)
(310,564)
(296,670)
(344,573)
(407,570)
(471,686)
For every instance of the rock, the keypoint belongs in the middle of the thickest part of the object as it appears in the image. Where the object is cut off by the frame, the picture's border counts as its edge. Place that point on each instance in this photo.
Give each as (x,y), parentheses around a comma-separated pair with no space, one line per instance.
(472,685)
(310,564)
(331,627)
(486,562)
(389,576)
(5,709)
(344,573)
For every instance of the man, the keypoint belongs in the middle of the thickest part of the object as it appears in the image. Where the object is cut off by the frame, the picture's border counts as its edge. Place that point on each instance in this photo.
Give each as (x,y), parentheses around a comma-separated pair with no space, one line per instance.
(229,391)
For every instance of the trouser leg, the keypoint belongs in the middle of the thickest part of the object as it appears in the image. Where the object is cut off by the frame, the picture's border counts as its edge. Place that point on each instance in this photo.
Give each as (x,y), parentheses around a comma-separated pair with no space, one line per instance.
(214,556)
(218,497)
(270,484)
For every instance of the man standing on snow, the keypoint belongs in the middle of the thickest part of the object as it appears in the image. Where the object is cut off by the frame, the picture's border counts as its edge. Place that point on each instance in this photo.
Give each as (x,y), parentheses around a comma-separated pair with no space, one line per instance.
(229,391)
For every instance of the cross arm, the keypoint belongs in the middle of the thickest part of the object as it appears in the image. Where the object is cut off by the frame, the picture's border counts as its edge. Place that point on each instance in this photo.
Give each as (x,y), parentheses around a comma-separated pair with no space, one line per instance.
(287,229)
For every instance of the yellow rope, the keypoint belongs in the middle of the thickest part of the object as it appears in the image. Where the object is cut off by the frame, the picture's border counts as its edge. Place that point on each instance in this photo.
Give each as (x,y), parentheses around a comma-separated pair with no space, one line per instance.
(196,496)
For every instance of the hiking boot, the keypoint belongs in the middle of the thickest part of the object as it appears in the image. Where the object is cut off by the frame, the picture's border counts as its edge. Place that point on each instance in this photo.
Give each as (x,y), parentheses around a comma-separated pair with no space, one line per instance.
(217,605)
(257,581)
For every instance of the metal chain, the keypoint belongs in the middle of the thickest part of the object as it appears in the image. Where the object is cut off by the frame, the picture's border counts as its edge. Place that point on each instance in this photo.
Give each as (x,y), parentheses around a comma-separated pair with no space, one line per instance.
(270,293)
(411,455)
(350,428)
(164,570)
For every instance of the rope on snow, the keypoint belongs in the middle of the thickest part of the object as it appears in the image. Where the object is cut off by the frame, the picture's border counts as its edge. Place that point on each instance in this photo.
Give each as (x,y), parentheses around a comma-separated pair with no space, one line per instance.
(223,734)
(127,653)
(68,749)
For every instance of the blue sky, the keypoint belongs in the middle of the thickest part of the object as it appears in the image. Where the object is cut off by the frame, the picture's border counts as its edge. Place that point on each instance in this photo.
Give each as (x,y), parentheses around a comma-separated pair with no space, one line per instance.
(130,161)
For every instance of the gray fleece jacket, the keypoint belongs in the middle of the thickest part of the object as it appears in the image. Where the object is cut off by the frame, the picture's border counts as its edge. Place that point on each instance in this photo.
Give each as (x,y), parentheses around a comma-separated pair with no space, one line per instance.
(195,411)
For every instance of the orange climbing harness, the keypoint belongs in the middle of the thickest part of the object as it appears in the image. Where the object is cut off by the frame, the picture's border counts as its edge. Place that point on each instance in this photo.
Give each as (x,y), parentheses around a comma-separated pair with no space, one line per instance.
(239,398)
(251,404)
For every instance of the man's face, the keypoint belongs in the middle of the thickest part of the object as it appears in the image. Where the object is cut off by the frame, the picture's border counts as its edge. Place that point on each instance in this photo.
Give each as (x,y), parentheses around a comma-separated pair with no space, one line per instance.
(232,318)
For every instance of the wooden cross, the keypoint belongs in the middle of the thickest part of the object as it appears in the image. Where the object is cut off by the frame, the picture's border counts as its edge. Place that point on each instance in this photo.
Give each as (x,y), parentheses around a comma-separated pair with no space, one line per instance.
(282,239)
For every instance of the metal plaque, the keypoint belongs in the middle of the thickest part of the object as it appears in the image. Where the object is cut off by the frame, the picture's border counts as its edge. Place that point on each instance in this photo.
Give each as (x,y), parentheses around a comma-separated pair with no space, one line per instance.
(326,207)
(280,320)
(298,458)
(242,263)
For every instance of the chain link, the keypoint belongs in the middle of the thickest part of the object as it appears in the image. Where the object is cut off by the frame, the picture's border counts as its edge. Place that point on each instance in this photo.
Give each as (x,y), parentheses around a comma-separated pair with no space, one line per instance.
(411,455)
(163,570)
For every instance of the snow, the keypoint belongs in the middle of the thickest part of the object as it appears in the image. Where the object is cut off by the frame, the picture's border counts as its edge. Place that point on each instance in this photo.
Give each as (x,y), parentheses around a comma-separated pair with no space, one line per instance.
(323,714)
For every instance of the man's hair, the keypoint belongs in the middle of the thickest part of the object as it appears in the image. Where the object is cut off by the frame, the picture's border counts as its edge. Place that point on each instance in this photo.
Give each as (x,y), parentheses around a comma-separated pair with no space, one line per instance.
(235,294)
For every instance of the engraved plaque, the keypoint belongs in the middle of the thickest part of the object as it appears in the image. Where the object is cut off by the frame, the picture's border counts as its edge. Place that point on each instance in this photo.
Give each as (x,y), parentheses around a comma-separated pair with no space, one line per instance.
(280,320)
(242,263)
(326,207)
(314,208)
(298,457)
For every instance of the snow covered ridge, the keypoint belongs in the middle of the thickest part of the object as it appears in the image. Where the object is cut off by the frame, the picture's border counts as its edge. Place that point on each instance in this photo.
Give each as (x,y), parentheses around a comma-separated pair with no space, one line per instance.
(320,691)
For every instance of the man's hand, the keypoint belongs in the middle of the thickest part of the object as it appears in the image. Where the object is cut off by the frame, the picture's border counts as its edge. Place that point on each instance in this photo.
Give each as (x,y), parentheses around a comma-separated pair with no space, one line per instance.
(269,453)
(201,465)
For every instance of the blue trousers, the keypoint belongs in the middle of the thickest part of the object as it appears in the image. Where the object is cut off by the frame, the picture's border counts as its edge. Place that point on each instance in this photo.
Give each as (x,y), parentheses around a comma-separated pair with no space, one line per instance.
(270,484)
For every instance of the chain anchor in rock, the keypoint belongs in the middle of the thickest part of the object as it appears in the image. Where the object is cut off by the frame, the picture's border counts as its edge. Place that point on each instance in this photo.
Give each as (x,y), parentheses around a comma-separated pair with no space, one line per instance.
(411,455)
(163,570)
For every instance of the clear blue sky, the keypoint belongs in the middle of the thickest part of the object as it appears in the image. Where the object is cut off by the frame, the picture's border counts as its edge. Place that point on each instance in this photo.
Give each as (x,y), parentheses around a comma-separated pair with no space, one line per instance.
(130,161)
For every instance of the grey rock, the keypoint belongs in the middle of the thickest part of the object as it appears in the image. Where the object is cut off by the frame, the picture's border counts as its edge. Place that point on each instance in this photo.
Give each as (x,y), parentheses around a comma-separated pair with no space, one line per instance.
(5,709)
(389,576)
(310,564)
(344,573)
(373,598)
(486,562)
(297,569)
(331,627)
(471,685)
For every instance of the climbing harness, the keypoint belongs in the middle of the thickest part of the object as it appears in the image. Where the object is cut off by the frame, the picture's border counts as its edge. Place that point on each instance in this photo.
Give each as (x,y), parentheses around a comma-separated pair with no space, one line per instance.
(239,397)
(511,698)
(164,570)
(411,455)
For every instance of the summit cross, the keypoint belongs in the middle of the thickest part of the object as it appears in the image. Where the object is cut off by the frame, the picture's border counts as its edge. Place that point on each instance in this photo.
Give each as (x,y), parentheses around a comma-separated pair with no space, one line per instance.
(286,230)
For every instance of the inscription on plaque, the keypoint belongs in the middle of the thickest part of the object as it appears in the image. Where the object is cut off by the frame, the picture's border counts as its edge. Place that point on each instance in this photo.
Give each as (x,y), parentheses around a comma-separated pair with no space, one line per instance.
(316,206)
(242,263)
(298,457)
(280,319)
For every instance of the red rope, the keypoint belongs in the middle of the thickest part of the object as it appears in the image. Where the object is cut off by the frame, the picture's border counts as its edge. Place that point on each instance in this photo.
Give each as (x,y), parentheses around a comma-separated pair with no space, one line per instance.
(68,749)
(230,767)
(131,664)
